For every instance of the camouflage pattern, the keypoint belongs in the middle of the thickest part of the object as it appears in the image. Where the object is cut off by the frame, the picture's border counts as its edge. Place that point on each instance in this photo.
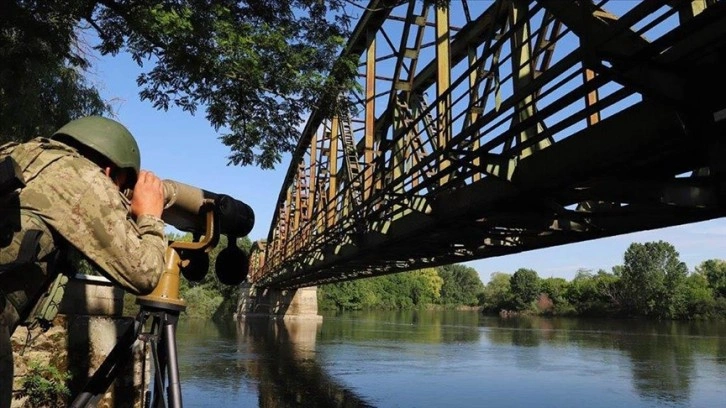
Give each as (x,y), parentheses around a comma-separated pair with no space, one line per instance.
(23,286)
(82,205)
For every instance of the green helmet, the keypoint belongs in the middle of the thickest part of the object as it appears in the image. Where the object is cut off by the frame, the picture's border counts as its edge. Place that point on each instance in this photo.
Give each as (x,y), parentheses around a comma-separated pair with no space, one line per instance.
(107,137)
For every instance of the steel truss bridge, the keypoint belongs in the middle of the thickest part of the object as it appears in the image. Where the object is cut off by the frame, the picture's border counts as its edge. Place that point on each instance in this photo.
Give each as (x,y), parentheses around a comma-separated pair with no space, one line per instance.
(486,128)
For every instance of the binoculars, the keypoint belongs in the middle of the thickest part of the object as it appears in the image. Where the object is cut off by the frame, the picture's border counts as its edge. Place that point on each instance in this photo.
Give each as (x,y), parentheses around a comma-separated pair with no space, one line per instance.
(206,215)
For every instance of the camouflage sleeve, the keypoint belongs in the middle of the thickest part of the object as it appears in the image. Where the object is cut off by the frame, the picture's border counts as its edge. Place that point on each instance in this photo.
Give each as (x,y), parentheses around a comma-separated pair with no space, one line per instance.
(130,253)
(151,226)
(84,207)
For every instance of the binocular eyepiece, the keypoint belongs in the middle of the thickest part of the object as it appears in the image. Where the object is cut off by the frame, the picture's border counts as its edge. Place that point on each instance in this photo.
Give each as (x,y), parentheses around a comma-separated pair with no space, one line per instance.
(186,208)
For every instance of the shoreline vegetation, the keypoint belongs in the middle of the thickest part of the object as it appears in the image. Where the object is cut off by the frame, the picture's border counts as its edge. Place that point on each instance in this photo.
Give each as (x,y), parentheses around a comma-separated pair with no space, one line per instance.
(651,283)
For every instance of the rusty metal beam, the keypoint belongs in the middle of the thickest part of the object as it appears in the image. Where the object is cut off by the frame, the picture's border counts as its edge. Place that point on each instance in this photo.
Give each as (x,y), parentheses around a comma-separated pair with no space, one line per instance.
(580,142)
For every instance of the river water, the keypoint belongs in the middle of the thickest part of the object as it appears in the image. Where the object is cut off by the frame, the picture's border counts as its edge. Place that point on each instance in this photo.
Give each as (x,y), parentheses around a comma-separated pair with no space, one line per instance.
(452,359)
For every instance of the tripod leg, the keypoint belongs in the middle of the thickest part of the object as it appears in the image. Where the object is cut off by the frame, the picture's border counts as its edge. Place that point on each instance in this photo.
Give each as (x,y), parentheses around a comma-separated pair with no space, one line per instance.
(175,398)
(109,369)
(159,359)
(165,362)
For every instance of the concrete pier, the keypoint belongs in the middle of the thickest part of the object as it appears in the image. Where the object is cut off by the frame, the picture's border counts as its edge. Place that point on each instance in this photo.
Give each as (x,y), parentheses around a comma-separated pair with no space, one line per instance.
(288,304)
(84,332)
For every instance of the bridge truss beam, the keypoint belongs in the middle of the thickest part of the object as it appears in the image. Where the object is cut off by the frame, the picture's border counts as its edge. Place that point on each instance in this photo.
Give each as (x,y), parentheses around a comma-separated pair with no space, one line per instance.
(489,128)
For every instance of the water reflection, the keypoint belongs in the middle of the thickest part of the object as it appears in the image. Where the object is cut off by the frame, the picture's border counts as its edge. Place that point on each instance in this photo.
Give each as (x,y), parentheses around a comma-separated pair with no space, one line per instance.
(287,372)
(662,355)
(447,358)
(410,326)
(271,361)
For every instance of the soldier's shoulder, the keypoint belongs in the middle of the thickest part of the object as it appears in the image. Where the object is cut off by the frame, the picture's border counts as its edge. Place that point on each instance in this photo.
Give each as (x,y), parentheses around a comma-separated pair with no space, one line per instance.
(61,165)
(39,145)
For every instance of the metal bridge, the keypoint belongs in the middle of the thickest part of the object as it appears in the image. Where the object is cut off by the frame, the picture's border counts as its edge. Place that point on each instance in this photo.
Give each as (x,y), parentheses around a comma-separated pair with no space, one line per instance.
(485,128)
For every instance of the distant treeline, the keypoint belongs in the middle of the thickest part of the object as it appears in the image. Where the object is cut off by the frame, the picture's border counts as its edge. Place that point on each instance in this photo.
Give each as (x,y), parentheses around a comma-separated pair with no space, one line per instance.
(445,285)
(652,282)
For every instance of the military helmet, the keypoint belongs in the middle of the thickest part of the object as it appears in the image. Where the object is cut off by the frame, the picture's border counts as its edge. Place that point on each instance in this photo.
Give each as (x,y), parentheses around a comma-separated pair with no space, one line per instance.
(107,137)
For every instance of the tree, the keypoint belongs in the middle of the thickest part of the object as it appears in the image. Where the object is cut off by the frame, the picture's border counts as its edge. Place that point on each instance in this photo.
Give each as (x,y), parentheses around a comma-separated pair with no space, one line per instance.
(594,294)
(497,294)
(525,285)
(348,295)
(462,285)
(653,280)
(714,270)
(255,67)
(42,84)
(556,290)
(403,290)
(700,300)
(425,286)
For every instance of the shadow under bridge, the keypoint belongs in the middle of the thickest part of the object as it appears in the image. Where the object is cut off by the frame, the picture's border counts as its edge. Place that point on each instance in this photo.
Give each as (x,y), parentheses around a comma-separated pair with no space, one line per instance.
(486,128)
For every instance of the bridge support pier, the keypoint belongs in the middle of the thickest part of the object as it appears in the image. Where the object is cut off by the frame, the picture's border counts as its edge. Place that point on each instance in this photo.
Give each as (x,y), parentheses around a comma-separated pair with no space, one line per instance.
(275,303)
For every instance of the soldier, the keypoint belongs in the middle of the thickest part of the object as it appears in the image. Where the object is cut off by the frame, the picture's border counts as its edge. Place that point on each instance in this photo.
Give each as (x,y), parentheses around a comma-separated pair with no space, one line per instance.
(73,199)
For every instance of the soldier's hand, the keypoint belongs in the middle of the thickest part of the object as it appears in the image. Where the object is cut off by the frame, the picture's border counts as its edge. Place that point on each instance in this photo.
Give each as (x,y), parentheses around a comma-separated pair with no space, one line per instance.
(148,198)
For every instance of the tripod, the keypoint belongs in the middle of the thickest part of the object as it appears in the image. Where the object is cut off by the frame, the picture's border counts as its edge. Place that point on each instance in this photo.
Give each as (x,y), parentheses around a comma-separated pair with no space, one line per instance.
(162,306)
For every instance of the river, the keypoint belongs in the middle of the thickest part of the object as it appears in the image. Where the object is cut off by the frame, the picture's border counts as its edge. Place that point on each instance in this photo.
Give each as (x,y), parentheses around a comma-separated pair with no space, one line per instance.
(452,359)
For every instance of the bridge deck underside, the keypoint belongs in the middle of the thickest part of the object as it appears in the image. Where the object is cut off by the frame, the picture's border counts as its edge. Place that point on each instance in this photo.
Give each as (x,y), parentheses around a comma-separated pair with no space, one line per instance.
(615,134)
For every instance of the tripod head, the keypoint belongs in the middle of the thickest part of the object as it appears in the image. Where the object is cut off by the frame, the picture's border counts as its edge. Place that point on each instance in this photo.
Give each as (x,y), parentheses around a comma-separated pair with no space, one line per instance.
(206,215)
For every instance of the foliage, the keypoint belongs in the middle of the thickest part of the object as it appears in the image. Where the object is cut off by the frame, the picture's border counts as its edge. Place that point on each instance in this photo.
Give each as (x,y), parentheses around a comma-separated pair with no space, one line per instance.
(42,83)
(715,272)
(426,286)
(202,302)
(525,286)
(44,386)
(349,295)
(671,292)
(405,290)
(593,294)
(699,297)
(213,55)
(556,290)
(653,280)
(497,294)
(462,285)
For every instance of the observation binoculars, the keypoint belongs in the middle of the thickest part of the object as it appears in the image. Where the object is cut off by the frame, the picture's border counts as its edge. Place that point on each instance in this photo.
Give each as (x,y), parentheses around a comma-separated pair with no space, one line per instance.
(206,215)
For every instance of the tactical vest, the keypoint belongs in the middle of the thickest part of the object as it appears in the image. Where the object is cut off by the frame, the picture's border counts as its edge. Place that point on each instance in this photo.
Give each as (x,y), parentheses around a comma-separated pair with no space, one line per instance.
(28,255)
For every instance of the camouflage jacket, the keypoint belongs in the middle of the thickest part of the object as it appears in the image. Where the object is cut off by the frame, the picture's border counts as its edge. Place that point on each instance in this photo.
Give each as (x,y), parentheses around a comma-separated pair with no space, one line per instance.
(23,285)
(82,205)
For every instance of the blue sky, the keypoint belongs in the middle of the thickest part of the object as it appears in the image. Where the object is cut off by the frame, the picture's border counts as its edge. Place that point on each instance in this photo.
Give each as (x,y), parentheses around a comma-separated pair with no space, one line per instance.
(176,145)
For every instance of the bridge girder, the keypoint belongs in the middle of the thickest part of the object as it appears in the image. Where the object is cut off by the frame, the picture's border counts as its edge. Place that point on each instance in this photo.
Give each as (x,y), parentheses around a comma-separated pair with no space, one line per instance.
(528,125)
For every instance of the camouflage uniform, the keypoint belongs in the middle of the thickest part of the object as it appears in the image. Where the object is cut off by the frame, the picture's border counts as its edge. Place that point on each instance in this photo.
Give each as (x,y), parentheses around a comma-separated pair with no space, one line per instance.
(81,205)
(70,200)
(23,287)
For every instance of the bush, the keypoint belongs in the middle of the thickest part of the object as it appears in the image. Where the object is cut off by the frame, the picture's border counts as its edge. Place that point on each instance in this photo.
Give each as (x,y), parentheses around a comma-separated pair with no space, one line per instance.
(202,302)
(44,386)
(130,307)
